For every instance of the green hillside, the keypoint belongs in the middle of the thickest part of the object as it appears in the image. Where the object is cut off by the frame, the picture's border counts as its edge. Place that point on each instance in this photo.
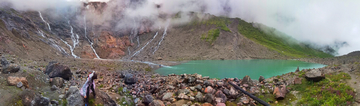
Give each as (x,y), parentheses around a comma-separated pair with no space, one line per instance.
(281,43)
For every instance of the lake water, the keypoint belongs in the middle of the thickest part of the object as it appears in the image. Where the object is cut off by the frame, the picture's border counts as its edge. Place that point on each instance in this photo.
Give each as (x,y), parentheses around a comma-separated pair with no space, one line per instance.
(238,68)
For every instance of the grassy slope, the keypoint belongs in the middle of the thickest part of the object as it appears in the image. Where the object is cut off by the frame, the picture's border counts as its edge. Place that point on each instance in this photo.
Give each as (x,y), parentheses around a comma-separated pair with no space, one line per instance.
(279,44)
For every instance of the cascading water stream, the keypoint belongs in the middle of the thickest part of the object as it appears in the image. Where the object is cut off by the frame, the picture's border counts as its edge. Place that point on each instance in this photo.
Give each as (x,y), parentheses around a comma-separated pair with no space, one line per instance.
(162,38)
(91,43)
(75,41)
(144,46)
(44,20)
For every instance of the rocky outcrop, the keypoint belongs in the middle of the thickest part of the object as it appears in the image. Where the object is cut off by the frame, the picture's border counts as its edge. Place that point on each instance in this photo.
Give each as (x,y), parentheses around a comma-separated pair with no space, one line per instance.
(8,67)
(54,69)
(106,100)
(30,98)
(73,97)
(314,75)
(57,81)
(14,81)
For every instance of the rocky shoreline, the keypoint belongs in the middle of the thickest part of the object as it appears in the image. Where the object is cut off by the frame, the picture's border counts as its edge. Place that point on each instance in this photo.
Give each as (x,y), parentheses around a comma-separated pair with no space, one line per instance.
(58,84)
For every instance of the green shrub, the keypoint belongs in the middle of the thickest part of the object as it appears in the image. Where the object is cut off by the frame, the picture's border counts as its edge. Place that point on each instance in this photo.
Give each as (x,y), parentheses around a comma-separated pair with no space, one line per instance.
(327,92)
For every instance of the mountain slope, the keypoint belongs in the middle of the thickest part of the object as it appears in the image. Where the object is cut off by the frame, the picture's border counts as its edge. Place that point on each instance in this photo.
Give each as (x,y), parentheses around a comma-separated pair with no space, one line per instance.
(281,43)
(221,38)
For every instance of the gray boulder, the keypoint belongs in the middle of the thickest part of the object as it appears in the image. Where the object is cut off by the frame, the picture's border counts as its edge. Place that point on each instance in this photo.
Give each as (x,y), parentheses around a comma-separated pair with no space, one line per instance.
(130,79)
(247,80)
(58,81)
(314,75)
(209,98)
(54,69)
(74,98)
(199,97)
(167,96)
(261,79)
(11,68)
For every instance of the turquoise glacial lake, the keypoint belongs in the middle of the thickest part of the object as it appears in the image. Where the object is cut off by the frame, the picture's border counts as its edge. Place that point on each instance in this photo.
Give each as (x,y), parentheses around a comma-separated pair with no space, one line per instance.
(238,68)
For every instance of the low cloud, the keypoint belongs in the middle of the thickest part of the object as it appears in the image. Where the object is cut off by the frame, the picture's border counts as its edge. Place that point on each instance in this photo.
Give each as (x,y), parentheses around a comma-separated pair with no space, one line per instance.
(323,23)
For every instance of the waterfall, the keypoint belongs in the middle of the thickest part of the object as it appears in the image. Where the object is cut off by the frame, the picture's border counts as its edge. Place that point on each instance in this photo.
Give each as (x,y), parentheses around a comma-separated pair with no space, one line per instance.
(144,45)
(71,49)
(162,38)
(41,33)
(75,41)
(91,43)
(44,20)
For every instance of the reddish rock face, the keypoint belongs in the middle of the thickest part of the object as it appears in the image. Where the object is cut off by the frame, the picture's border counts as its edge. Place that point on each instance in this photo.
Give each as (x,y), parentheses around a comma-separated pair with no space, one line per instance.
(110,46)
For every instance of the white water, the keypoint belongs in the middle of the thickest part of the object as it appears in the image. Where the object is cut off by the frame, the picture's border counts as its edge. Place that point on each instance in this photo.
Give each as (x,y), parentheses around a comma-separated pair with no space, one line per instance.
(138,42)
(41,33)
(91,43)
(44,20)
(144,46)
(71,49)
(75,41)
(162,38)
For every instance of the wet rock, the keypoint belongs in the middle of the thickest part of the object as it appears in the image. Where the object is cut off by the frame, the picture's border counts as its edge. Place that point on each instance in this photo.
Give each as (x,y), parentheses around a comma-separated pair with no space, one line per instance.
(148,99)
(297,81)
(157,103)
(58,81)
(314,75)
(209,98)
(13,81)
(280,92)
(167,96)
(261,79)
(247,80)
(11,68)
(130,79)
(199,97)
(73,97)
(54,69)
(209,89)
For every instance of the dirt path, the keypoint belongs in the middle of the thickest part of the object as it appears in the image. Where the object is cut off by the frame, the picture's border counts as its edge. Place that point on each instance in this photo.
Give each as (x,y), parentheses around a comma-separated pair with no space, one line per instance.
(354,82)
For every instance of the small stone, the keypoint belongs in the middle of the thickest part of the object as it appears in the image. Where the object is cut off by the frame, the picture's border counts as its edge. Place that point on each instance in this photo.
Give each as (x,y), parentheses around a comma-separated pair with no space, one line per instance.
(19,84)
